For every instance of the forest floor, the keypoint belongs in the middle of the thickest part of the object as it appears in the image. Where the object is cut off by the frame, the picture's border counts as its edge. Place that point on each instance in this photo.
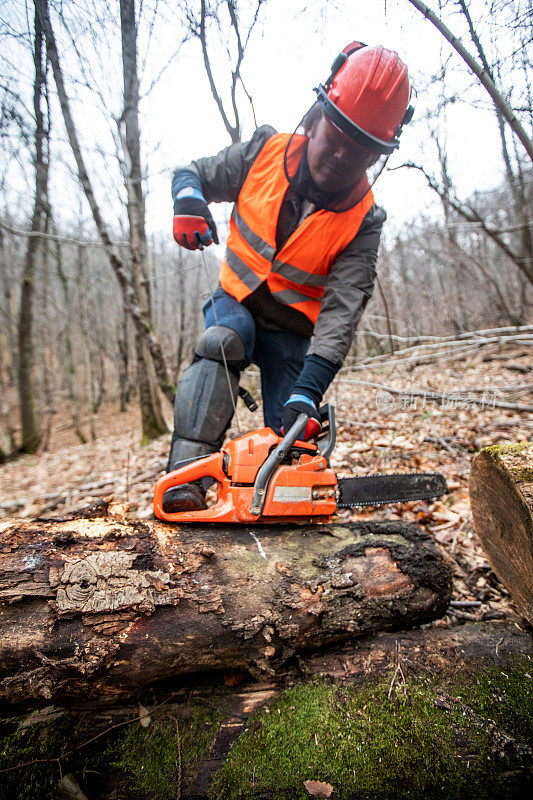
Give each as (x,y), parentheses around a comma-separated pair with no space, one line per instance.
(403,715)
(376,432)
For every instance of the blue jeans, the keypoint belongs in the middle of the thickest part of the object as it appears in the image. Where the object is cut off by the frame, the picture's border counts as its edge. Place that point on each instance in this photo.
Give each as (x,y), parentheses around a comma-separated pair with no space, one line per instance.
(278,354)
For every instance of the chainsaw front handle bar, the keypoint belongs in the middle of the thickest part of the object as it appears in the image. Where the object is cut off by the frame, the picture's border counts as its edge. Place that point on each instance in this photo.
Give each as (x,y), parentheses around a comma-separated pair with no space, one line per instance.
(277,455)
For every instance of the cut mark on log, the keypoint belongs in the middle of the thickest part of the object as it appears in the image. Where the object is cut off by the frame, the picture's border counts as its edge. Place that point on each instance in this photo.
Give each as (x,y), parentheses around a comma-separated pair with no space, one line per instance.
(259,545)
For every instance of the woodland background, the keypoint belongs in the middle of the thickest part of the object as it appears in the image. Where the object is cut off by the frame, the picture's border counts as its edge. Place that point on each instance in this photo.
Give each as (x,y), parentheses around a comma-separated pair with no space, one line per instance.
(101,310)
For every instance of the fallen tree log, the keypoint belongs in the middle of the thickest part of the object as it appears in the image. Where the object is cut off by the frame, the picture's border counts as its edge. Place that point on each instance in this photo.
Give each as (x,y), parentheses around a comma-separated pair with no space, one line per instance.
(501,494)
(93,604)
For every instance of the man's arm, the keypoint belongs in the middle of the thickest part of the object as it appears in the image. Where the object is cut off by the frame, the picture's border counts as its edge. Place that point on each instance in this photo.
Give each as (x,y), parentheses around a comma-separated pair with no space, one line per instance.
(222,176)
(348,289)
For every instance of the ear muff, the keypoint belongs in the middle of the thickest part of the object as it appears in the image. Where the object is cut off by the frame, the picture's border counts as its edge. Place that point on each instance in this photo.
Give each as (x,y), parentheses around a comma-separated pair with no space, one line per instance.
(342,58)
(408,116)
(335,67)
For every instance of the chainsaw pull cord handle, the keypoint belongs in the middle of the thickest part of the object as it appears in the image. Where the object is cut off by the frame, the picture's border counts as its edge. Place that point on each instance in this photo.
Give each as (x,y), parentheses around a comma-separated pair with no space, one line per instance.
(226,368)
(276,456)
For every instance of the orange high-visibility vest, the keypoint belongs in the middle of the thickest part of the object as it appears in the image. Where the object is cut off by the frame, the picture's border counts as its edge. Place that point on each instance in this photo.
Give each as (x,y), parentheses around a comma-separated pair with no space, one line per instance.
(296,274)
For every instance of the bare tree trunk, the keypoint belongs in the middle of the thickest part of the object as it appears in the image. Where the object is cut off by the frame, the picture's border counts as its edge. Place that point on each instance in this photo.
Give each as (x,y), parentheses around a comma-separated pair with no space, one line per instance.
(128,294)
(93,605)
(387,314)
(7,361)
(70,368)
(30,426)
(152,419)
(123,361)
(91,359)
(46,346)
(8,326)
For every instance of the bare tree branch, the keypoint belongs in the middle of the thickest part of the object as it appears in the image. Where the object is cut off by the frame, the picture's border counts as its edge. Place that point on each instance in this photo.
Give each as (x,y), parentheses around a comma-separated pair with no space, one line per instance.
(484,76)
(470,214)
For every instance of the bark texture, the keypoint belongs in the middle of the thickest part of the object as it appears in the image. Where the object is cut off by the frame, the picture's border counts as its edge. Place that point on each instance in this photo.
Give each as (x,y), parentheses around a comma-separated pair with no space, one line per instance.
(501,493)
(29,418)
(91,604)
(152,419)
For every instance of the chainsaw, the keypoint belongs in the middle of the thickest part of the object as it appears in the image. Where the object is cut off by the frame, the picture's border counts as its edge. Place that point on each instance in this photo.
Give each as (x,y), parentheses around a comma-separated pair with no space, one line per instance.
(264,478)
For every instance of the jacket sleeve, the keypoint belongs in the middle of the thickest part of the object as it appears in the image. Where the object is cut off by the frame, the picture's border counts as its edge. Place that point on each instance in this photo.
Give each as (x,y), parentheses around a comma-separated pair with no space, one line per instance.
(348,289)
(222,176)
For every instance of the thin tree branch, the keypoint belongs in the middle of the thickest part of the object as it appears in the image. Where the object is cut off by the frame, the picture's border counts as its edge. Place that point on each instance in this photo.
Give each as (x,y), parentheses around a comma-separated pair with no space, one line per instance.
(482,74)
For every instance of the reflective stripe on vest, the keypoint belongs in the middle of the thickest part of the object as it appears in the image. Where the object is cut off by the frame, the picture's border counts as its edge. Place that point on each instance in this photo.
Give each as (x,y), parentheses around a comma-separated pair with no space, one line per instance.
(296,274)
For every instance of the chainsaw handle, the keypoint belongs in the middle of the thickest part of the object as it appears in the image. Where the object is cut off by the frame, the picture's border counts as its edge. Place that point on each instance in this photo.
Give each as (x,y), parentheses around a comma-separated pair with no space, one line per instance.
(209,466)
(276,456)
(326,445)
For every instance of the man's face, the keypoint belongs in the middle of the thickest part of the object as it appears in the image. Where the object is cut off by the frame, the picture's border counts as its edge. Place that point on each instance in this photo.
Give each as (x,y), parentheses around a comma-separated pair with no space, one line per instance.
(336,162)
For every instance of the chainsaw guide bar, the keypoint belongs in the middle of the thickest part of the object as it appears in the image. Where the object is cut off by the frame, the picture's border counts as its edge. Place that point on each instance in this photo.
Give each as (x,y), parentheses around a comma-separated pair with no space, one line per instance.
(375,490)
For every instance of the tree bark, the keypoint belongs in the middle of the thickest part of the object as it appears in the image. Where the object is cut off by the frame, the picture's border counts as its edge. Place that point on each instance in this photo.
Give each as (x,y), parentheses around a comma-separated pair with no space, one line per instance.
(92,605)
(152,419)
(30,427)
(501,495)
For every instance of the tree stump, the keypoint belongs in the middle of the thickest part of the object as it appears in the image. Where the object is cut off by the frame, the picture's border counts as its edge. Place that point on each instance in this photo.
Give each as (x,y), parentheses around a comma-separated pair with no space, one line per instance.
(501,493)
(94,604)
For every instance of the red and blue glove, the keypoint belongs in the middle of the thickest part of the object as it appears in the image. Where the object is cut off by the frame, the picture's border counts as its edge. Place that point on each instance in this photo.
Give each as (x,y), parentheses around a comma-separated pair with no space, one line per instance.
(296,404)
(193,224)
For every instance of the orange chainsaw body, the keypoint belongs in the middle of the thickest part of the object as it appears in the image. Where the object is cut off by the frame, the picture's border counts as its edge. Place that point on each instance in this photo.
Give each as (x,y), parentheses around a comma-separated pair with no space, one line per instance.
(298,491)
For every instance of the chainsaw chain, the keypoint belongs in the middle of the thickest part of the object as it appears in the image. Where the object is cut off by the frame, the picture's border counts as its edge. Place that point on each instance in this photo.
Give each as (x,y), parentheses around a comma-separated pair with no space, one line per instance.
(388,501)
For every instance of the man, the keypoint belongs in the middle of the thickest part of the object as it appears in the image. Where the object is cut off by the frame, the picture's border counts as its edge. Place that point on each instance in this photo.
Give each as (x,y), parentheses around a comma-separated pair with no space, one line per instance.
(300,258)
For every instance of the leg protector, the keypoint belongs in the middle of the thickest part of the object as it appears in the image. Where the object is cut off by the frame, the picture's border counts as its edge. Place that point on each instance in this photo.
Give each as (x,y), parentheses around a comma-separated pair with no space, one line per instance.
(204,402)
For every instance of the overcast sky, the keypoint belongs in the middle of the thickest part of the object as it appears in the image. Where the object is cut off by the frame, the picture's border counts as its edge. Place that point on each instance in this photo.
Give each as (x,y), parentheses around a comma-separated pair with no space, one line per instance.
(290,52)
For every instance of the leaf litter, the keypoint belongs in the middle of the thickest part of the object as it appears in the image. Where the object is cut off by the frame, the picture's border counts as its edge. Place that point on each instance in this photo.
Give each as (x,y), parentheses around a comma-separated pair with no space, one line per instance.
(399,434)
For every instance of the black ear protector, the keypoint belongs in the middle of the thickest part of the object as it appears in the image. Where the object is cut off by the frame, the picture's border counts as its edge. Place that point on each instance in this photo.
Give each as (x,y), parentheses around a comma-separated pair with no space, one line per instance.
(345,123)
(406,119)
(341,60)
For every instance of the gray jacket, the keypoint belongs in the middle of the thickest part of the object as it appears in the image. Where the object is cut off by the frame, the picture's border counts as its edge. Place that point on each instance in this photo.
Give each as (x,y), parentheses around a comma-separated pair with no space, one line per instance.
(351,280)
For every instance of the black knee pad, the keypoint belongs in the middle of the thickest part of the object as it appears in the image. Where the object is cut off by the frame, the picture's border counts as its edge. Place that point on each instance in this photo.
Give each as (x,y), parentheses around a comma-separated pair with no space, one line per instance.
(205,402)
(220,341)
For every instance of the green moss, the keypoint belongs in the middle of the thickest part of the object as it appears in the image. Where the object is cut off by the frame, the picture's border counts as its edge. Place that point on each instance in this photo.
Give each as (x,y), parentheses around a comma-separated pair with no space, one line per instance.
(432,738)
(149,756)
(500,452)
(370,746)
(505,695)
(22,743)
(126,762)
(508,447)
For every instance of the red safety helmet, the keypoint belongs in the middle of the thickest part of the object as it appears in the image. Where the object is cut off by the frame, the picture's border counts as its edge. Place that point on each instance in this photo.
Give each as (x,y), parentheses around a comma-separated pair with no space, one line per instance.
(367,96)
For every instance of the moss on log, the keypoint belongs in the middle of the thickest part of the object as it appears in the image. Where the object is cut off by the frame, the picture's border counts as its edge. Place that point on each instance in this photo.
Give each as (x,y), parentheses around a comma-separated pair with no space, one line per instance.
(501,492)
(94,604)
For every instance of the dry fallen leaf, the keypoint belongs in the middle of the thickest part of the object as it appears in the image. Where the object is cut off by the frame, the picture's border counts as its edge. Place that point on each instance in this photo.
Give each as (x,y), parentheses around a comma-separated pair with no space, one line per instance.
(318,789)
(144,716)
